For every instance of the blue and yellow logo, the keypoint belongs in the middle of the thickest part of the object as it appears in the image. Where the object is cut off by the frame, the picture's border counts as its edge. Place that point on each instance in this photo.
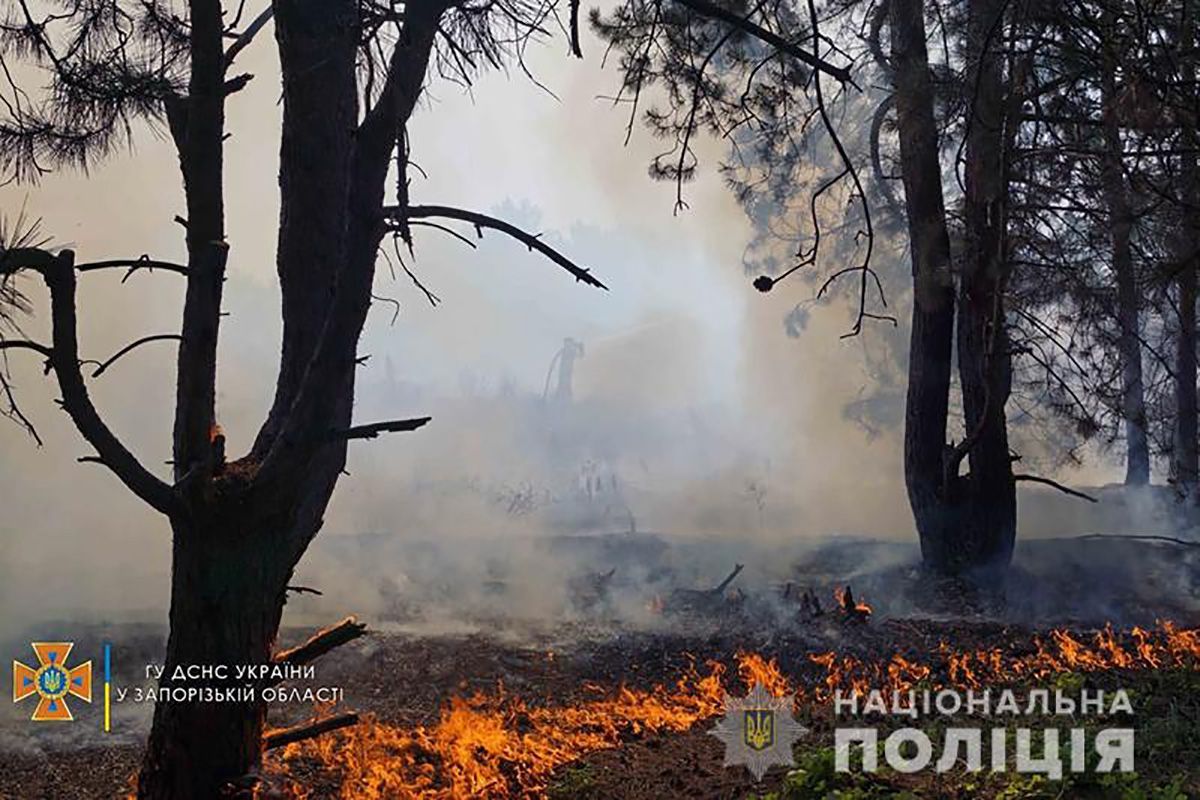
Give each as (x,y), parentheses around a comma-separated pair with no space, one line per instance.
(758,731)
(52,681)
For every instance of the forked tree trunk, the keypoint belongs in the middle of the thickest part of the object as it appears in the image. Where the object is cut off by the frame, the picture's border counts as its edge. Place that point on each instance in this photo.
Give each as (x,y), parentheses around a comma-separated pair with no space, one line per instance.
(966,524)
(246,525)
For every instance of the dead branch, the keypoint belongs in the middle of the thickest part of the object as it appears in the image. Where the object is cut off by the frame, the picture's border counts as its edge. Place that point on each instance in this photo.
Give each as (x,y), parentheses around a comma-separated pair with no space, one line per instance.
(430,296)
(376,428)
(322,642)
(723,585)
(298,733)
(158,337)
(248,35)
(481,221)
(133,265)
(1054,484)
(59,275)
(21,344)
(303,590)
(707,9)
(1141,538)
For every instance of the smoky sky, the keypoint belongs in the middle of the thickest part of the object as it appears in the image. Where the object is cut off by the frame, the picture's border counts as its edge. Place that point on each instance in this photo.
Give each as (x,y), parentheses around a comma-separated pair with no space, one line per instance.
(681,354)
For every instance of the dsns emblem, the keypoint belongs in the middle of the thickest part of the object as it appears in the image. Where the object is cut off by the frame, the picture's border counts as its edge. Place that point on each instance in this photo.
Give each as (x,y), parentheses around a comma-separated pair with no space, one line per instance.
(52,681)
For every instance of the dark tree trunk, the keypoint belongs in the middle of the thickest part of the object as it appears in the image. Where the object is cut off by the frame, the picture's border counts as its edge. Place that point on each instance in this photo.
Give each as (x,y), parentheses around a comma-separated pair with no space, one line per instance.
(1185,454)
(932,335)
(1186,459)
(246,525)
(984,354)
(227,590)
(966,524)
(1133,402)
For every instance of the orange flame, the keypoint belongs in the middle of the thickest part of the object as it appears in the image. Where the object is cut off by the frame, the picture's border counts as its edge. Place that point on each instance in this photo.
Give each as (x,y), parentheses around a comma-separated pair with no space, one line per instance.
(496,745)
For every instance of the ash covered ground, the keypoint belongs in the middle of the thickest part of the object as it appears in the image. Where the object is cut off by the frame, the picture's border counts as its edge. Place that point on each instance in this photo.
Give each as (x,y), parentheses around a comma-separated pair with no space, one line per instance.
(636,609)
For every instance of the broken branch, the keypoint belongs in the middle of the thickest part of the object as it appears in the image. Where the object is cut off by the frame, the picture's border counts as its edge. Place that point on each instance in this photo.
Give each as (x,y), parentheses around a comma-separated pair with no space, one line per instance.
(247,36)
(1141,538)
(298,733)
(322,642)
(376,428)
(723,585)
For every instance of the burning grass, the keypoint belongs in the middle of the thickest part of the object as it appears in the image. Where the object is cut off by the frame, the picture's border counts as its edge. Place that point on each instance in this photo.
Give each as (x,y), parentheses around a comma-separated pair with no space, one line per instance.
(497,744)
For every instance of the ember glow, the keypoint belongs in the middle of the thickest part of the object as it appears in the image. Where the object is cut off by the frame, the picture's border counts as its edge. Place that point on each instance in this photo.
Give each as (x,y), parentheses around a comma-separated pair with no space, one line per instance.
(856,609)
(497,745)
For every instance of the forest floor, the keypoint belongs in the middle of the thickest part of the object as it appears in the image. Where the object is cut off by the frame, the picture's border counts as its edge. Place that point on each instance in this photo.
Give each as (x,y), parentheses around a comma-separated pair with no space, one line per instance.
(651,712)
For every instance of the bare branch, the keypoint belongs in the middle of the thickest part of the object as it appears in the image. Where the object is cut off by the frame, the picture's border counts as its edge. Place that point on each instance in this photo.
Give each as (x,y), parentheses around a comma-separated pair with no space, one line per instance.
(1140,538)
(374,429)
(158,337)
(21,344)
(134,264)
(1056,485)
(248,35)
(59,274)
(481,221)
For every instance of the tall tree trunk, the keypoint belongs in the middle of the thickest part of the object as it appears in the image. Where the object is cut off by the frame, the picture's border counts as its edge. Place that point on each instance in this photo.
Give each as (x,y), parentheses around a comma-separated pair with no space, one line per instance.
(984,354)
(234,548)
(1186,464)
(966,524)
(930,492)
(227,589)
(1133,402)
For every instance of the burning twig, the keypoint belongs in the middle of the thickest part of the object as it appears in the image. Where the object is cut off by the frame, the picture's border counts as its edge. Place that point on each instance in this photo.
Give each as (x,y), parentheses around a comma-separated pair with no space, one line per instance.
(854,611)
(298,733)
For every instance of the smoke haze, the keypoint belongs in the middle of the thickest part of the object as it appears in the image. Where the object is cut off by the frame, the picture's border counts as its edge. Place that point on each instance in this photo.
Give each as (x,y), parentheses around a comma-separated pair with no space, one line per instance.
(694,414)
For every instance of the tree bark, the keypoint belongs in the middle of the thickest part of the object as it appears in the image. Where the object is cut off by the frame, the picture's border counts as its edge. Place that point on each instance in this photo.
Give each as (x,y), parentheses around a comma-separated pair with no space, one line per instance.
(966,524)
(227,590)
(245,526)
(984,354)
(929,360)
(1133,402)
(316,42)
(1186,459)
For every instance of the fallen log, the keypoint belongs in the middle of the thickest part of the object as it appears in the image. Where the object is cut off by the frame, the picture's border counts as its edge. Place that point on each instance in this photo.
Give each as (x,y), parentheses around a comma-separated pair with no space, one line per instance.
(703,600)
